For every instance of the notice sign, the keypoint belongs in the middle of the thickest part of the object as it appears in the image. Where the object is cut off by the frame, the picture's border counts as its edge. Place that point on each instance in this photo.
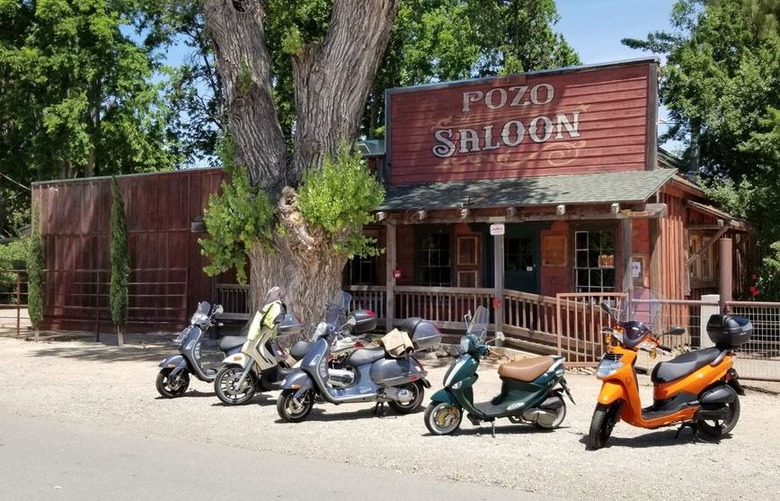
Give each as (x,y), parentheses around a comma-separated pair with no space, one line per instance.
(497,229)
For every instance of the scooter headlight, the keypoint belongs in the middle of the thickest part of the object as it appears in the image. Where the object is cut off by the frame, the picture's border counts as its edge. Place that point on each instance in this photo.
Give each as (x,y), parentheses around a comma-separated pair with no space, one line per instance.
(607,367)
(465,344)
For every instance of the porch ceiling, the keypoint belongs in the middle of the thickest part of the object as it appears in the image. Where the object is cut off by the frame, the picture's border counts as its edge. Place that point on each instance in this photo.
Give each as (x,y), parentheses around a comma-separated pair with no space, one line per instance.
(602,188)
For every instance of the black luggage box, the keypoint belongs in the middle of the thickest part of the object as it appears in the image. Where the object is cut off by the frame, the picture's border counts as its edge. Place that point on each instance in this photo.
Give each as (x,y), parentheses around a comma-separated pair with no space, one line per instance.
(727,331)
(422,332)
(365,321)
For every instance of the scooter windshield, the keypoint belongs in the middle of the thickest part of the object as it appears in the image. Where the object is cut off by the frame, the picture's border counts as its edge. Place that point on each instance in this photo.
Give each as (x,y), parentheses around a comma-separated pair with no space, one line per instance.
(478,325)
(336,309)
(201,315)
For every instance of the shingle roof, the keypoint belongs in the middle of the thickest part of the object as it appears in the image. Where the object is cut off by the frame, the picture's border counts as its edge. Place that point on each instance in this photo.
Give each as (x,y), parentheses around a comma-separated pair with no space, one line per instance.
(625,187)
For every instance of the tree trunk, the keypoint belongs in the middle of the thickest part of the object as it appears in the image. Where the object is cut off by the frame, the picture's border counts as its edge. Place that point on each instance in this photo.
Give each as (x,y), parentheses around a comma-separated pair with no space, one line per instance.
(119,337)
(332,79)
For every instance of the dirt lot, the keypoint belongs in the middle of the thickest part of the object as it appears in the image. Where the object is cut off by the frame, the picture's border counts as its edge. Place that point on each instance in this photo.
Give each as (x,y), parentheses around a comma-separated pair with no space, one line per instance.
(107,387)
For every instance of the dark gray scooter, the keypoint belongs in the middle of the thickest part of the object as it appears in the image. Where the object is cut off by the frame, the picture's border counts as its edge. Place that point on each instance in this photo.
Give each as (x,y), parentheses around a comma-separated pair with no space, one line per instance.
(378,376)
(174,376)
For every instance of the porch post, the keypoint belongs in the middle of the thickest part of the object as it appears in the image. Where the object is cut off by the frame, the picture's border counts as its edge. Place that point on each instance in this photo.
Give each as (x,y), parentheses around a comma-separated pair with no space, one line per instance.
(625,229)
(725,279)
(390,260)
(498,272)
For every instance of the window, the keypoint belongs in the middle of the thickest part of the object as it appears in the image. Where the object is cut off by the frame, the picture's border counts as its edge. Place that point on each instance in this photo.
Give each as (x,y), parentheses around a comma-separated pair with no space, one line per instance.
(594,261)
(362,270)
(703,268)
(519,254)
(433,260)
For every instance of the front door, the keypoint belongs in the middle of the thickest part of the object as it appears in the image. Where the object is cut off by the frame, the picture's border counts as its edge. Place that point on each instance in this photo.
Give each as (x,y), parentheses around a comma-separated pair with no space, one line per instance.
(521,260)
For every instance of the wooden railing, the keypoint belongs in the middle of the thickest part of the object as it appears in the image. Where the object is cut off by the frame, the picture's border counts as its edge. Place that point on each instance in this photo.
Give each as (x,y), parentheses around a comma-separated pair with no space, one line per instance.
(13,300)
(155,295)
(569,324)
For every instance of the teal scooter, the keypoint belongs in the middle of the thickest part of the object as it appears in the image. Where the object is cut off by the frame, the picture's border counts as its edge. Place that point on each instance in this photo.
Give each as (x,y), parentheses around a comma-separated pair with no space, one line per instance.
(531,389)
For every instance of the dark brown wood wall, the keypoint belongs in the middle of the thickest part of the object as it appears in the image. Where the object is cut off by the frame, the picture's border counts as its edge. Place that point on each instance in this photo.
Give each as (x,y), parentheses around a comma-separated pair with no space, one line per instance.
(167,278)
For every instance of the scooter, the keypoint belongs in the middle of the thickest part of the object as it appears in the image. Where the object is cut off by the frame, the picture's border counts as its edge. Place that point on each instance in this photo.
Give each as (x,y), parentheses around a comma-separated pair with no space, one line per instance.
(698,389)
(369,375)
(260,362)
(174,376)
(531,389)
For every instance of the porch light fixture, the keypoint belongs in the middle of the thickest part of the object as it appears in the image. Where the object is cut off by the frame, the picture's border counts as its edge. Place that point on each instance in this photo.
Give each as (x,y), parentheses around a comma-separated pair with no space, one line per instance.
(465,212)
(560,210)
(380,216)
(397,273)
(421,214)
(614,208)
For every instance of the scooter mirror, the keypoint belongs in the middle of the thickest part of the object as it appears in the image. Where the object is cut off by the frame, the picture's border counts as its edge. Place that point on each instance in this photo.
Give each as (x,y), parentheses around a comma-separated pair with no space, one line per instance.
(676,331)
(219,309)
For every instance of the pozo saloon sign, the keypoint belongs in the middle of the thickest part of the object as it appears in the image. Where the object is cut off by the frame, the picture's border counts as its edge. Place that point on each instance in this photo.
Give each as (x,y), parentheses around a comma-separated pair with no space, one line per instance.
(511,133)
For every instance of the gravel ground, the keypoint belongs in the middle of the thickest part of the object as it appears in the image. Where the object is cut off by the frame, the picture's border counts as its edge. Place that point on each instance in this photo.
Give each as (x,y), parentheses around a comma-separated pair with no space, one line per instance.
(106,387)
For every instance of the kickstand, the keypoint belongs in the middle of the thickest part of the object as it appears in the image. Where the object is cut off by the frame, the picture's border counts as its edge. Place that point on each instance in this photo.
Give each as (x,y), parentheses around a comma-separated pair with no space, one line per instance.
(493,428)
(380,410)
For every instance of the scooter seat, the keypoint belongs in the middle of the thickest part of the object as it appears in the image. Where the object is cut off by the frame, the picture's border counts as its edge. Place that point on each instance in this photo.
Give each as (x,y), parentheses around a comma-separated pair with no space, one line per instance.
(685,364)
(526,369)
(228,342)
(365,356)
(300,349)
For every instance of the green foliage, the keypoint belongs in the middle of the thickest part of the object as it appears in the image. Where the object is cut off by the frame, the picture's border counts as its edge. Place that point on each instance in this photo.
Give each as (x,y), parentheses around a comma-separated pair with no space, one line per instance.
(721,85)
(36,269)
(119,258)
(77,97)
(236,219)
(339,198)
(14,254)
(440,40)
(765,284)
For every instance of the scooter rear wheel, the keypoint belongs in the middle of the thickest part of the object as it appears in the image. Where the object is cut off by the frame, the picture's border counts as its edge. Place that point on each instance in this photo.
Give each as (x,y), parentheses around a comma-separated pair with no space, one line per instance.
(604,419)
(443,418)
(720,428)
(418,392)
(225,385)
(172,387)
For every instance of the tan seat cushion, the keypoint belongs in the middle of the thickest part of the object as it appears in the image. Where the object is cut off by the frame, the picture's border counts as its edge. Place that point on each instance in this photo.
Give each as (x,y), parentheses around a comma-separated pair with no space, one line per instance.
(526,369)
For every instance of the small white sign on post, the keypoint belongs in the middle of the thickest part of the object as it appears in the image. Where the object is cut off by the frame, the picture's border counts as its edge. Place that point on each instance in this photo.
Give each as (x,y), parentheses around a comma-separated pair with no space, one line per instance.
(497,229)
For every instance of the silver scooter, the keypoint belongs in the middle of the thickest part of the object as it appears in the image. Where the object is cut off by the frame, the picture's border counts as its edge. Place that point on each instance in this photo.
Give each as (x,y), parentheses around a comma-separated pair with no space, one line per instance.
(174,376)
(373,375)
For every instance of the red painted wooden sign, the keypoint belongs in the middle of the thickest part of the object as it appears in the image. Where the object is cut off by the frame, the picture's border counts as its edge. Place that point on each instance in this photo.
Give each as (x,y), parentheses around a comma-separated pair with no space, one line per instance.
(583,120)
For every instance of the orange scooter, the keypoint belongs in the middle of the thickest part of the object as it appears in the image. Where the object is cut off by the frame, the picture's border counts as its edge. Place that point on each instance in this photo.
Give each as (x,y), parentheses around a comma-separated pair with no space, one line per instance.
(699,389)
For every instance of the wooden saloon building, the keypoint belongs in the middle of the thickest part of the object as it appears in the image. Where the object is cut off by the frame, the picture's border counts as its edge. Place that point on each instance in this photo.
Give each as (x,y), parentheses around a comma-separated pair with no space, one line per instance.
(527,186)
(503,191)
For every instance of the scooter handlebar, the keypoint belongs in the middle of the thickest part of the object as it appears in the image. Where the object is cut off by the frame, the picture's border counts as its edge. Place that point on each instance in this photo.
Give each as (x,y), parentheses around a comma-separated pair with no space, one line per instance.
(664,348)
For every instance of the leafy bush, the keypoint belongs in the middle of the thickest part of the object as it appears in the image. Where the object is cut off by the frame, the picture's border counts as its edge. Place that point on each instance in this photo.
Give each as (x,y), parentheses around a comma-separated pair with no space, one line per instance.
(339,198)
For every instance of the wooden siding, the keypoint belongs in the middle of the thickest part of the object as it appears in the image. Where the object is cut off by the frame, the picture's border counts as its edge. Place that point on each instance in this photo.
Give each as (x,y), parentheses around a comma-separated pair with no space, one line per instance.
(612,135)
(167,278)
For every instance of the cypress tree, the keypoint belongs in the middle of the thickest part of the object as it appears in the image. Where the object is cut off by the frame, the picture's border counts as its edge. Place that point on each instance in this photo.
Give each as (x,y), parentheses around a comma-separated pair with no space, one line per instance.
(36,265)
(120,261)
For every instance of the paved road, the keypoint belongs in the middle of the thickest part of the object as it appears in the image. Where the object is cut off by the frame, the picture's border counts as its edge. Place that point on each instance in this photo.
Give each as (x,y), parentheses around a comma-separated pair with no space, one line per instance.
(46,460)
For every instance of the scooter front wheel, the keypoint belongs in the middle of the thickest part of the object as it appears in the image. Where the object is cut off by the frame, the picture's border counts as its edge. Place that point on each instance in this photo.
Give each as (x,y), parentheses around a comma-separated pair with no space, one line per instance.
(443,418)
(604,419)
(172,387)
(227,389)
(294,410)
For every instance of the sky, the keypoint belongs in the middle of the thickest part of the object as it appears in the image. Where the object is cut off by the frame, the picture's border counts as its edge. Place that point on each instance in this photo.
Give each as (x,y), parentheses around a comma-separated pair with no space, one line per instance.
(594,29)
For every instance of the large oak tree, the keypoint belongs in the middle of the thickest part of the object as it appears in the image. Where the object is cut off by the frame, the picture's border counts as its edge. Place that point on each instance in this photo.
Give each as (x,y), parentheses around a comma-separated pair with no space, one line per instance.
(331,77)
